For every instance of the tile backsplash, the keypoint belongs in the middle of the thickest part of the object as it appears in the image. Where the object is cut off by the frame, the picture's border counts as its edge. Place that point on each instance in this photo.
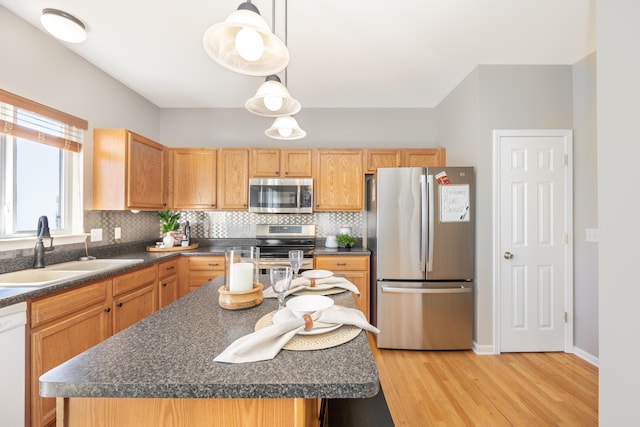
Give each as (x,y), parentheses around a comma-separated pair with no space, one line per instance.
(143,228)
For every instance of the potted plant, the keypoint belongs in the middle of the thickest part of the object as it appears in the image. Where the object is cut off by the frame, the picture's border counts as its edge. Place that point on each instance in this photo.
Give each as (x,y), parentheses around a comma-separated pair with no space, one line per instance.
(345,240)
(169,221)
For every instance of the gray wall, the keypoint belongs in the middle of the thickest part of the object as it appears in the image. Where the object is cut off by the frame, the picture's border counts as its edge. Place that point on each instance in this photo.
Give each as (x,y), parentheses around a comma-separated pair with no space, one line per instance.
(41,69)
(523,97)
(618,123)
(35,66)
(332,128)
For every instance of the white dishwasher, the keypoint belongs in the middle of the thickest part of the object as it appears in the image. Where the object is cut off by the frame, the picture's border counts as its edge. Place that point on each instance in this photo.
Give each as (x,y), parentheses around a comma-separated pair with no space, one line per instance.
(12,364)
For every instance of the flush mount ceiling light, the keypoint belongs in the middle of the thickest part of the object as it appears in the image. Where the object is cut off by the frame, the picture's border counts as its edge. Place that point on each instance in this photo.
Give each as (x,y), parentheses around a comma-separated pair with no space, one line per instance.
(272,99)
(285,127)
(63,26)
(245,44)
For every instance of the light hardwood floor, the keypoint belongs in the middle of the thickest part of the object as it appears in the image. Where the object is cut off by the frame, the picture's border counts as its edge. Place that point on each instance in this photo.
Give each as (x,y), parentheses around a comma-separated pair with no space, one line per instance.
(461,388)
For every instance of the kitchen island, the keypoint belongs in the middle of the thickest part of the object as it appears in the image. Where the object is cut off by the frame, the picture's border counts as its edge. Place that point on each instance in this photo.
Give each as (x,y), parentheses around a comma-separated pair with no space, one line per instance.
(160,371)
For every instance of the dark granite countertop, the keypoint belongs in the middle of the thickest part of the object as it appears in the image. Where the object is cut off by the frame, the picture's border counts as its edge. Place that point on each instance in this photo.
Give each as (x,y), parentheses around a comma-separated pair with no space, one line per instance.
(14,295)
(170,355)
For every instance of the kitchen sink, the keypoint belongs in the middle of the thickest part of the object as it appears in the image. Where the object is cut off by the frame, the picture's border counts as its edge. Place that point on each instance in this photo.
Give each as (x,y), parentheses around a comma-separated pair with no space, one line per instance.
(61,272)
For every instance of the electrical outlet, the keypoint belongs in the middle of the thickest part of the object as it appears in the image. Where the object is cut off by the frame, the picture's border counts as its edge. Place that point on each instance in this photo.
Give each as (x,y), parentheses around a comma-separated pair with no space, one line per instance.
(592,235)
(96,234)
(117,233)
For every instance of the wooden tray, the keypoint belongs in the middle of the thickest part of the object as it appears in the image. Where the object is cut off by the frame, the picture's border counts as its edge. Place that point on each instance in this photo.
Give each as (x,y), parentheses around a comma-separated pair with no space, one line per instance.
(175,248)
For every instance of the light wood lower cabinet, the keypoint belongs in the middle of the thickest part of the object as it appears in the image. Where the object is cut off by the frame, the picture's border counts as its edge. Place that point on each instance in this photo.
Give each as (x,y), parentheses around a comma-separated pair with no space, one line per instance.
(201,269)
(63,326)
(168,283)
(356,270)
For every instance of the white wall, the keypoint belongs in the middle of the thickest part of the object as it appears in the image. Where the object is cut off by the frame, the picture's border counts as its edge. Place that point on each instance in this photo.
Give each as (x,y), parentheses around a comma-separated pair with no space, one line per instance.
(333,128)
(618,91)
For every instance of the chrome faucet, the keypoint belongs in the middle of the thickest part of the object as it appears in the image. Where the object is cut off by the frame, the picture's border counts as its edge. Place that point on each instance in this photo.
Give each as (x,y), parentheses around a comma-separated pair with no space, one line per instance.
(42,232)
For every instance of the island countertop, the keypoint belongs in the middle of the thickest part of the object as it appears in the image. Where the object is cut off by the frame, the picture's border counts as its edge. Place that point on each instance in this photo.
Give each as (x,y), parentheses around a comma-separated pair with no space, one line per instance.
(170,355)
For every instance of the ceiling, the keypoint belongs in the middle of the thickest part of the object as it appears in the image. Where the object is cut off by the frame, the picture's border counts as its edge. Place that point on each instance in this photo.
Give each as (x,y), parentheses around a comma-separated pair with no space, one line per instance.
(344,54)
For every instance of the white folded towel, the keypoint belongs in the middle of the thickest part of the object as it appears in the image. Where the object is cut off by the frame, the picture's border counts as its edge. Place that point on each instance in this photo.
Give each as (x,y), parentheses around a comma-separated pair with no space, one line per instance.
(265,343)
(302,283)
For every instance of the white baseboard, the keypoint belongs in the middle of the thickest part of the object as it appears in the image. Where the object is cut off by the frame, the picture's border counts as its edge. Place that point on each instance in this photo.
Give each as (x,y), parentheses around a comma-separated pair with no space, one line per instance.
(483,349)
(586,356)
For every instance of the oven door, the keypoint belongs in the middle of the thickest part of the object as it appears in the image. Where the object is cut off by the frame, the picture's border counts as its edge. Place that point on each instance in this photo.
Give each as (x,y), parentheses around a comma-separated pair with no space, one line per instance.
(280,195)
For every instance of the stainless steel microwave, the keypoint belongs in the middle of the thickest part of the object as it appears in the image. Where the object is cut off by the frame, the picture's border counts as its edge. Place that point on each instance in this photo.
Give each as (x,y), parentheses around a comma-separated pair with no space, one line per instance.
(287,195)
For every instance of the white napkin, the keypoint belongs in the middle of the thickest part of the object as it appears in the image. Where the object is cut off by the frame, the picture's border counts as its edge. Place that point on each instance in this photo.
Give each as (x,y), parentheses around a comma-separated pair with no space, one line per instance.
(267,342)
(302,283)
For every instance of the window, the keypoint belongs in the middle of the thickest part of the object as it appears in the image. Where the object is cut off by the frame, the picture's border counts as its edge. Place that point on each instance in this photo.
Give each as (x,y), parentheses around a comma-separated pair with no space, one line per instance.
(40,168)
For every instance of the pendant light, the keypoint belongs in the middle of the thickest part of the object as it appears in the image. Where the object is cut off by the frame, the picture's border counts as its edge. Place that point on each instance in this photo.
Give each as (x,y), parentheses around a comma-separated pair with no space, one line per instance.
(272,99)
(244,43)
(63,26)
(286,128)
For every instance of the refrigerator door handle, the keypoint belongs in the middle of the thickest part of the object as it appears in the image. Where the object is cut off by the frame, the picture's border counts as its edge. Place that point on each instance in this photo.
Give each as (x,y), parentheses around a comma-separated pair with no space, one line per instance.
(431,222)
(424,223)
(392,290)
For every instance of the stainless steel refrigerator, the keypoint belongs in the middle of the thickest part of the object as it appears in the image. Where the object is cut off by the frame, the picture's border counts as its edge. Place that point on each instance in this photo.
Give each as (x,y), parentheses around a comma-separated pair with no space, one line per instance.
(420,230)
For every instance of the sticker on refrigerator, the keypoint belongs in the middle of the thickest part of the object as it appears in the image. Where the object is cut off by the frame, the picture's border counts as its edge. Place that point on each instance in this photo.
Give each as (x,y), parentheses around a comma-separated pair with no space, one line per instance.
(442,178)
(454,203)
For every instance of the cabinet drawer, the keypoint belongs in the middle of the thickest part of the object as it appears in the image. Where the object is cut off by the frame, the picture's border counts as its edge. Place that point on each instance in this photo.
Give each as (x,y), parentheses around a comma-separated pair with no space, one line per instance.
(206,263)
(167,268)
(57,306)
(129,281)
(337,263)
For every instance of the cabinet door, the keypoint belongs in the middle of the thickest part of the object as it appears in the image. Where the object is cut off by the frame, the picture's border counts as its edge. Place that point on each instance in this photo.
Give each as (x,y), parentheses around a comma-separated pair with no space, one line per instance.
(57,343)
(146,174)
(203,269)
(356,269)
(233,178)
(296,163)
(424,157)
(381,158)
(339,184)
(265,163)
(133,306)
(168,290)
(193,178)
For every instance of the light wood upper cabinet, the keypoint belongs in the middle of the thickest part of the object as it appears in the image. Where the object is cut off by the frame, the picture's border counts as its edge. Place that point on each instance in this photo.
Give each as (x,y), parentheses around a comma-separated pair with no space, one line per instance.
(339,180)
(129,171)
(381,158)
(233,178)
(424,157)
(192,182)
(280,163)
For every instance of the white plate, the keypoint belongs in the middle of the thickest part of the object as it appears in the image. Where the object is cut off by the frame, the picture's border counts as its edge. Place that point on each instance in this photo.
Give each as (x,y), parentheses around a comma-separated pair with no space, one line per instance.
(308,304)
(318,331)
(317,274)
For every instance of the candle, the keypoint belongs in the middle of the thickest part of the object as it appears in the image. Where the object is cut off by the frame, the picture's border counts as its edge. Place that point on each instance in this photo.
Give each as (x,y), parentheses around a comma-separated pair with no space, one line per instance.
(241,276)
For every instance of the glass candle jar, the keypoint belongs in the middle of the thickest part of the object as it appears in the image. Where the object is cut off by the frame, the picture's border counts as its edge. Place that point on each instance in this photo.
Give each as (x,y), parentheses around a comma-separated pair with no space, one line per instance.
(241,271)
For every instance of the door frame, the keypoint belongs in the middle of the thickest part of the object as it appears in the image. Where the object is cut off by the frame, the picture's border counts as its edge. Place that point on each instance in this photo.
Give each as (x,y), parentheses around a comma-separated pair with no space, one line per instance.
(567,134)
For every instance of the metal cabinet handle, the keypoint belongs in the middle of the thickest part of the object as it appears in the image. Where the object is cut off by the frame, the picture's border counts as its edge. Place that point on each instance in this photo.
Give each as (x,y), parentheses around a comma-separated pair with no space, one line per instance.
(119,304)
(107,309)
(508,255)
(391,289)
(164,284)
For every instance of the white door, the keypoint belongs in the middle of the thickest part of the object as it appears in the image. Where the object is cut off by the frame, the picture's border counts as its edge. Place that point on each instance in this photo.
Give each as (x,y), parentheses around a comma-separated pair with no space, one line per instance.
(534,266)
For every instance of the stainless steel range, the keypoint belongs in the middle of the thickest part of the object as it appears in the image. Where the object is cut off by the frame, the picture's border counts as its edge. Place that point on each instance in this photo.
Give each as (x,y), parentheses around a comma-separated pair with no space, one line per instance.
(275,242)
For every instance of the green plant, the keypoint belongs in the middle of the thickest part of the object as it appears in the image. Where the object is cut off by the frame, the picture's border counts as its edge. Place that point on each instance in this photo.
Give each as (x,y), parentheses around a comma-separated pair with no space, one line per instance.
(169,220)
(345,240)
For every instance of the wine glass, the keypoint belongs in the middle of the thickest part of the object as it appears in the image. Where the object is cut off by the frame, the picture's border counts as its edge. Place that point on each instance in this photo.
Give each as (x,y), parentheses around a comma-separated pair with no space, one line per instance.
(280,282)
(295,259)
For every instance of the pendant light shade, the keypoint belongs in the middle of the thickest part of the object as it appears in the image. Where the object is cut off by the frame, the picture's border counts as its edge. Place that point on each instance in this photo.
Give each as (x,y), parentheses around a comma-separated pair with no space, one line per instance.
(245,44)
(63,26)
(285,127)
(272,99)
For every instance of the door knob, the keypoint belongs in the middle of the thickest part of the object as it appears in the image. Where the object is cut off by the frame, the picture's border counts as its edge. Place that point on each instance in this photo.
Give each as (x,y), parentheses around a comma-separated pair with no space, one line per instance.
(507,255)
